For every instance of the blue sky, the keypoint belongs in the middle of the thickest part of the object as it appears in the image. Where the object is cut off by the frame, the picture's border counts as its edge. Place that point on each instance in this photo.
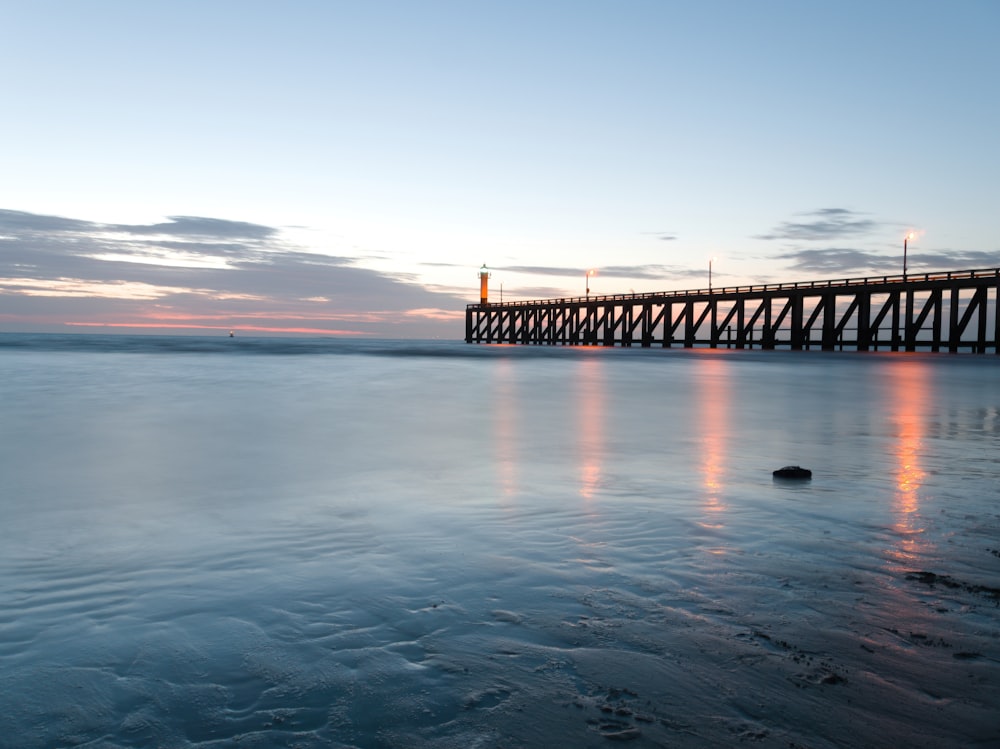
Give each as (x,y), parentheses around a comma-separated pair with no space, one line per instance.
(326,167)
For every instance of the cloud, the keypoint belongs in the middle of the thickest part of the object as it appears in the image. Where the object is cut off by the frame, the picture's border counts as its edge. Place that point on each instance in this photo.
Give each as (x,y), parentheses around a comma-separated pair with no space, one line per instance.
(954,260)
(826,224)
(56,244)
(22,222)
(651,272)
(664,236)
(437,314)
(838,261)
(537,292)
(197,272)
(199,226)
(541,270)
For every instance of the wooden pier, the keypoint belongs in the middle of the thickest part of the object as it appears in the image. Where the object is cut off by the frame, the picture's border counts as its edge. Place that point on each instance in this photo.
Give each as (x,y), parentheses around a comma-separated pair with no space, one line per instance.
(955,311)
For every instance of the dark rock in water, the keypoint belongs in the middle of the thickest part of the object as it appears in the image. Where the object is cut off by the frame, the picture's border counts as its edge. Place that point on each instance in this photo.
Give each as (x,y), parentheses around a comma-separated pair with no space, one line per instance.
(793,472)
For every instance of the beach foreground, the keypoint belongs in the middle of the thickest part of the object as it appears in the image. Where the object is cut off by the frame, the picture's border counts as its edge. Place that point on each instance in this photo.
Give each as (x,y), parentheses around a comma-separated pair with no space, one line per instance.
(427,546)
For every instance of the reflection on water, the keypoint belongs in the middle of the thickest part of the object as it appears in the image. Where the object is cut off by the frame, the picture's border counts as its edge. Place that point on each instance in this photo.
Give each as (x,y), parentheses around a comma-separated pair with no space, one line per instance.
(503,402)
(712,404)
(590,398)
(910,395)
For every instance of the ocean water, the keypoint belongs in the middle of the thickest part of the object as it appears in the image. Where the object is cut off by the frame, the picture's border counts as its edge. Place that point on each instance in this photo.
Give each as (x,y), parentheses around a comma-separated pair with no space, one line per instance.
(325,543)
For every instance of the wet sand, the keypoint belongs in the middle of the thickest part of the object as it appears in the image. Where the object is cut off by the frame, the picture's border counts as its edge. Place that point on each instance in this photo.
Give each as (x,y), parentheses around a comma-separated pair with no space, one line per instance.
(548,627)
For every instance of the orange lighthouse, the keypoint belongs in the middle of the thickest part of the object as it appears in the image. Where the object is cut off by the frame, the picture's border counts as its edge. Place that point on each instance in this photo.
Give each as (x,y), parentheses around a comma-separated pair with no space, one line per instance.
(484,275)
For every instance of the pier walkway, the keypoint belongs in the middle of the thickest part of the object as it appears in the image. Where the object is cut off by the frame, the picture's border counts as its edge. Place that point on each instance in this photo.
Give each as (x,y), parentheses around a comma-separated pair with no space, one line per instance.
(951,311)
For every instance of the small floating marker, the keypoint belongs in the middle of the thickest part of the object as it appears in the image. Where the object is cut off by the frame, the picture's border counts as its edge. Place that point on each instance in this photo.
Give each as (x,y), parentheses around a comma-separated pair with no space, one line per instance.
(793,472)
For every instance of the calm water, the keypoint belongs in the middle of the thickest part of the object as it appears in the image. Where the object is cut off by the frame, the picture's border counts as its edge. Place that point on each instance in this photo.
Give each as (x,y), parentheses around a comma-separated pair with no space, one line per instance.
(315,543)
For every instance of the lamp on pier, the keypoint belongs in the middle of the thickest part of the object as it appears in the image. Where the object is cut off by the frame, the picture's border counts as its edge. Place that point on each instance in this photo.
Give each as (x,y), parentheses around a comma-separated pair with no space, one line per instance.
(711,260)
(588,274)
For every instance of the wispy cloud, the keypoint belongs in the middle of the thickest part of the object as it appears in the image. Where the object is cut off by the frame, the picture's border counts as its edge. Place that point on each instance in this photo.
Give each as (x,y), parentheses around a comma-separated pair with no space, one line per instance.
(539,292)
(954,260)
(825,224)
(199,227)
(541,270)
(208,272)
(663,236)
(840,261)
(651,272)
(836,260)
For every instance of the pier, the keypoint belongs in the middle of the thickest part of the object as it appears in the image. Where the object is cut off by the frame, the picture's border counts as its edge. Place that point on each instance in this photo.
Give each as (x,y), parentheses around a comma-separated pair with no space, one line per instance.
(954,311)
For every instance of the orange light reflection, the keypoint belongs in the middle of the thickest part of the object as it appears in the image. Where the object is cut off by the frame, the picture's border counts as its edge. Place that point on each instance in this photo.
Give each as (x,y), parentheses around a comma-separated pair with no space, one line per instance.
(590,429)
(713,398)
(504,403)
(910,392)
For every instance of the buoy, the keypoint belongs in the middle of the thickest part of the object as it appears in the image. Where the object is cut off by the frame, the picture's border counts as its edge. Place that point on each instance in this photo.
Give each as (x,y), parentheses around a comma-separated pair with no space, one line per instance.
(793,472)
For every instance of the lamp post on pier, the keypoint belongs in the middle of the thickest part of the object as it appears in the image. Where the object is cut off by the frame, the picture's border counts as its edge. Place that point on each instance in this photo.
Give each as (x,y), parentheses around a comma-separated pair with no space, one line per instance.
(588,274)
(711,260)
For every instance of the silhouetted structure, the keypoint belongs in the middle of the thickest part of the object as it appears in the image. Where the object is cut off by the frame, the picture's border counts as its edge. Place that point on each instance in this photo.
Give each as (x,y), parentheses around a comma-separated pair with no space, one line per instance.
(949,311)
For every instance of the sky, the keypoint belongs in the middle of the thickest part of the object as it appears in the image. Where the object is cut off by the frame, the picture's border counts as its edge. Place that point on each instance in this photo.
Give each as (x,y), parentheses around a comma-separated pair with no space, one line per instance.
(345,168)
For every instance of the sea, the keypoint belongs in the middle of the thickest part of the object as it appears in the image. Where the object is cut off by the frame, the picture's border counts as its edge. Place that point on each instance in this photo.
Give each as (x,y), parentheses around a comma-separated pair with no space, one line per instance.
(271,542)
